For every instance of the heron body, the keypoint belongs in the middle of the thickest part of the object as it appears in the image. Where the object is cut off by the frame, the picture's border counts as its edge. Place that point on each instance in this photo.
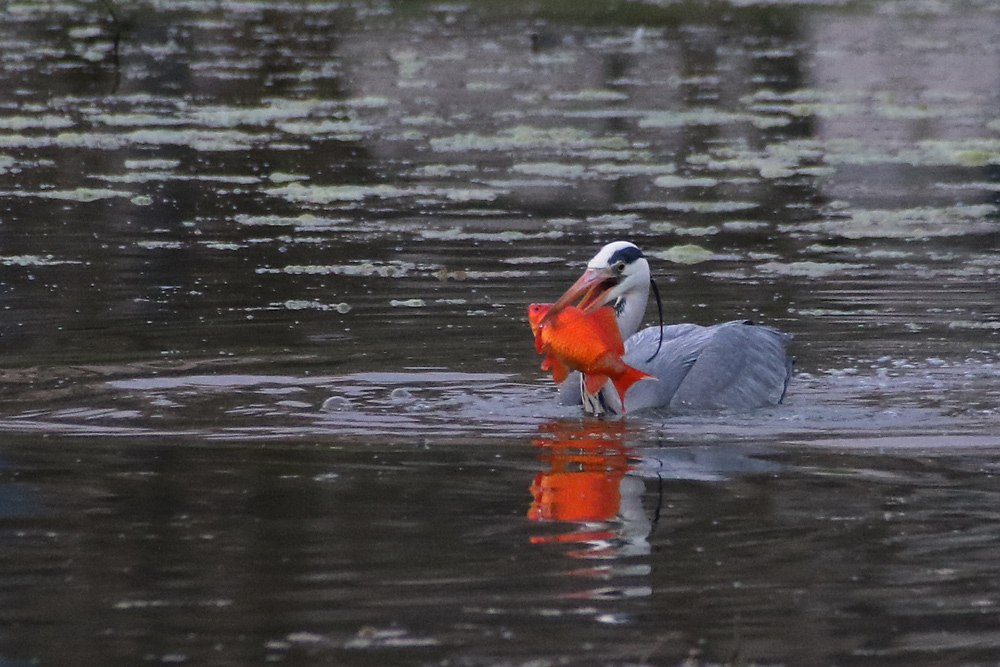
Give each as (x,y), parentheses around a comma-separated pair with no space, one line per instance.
(735,365)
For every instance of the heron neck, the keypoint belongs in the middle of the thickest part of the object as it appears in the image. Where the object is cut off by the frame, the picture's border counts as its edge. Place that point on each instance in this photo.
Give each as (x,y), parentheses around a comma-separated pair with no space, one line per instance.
(631,307)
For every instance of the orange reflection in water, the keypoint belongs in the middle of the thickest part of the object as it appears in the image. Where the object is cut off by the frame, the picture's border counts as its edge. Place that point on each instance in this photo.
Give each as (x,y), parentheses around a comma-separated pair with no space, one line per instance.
(587,463)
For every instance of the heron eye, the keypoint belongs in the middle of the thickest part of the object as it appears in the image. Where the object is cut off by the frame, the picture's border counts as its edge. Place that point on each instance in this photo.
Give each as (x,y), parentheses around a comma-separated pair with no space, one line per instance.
(620,267)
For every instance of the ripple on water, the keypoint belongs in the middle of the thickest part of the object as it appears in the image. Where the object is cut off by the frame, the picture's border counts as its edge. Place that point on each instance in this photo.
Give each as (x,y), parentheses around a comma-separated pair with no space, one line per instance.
(903,398)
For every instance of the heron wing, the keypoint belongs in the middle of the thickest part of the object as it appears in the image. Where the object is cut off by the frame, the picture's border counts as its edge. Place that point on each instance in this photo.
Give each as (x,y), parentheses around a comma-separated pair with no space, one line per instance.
(735,365)
(743,366)
(681,348)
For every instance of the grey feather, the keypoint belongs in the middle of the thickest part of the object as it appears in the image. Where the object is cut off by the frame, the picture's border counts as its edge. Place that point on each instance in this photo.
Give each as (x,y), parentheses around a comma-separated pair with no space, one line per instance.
(735,365)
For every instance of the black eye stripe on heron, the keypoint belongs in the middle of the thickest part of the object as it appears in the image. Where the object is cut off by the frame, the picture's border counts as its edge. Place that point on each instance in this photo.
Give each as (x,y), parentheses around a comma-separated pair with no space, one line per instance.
(627,255)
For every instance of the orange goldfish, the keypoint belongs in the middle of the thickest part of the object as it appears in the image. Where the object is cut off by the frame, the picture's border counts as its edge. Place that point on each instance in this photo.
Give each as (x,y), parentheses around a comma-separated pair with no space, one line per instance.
(589,342)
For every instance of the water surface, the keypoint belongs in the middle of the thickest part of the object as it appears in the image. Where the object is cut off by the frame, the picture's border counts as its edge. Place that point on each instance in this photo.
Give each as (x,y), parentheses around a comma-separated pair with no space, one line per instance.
(268,390)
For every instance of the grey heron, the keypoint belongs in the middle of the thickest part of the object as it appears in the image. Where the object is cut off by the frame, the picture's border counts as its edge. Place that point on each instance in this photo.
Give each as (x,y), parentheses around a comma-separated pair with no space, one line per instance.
(735,365)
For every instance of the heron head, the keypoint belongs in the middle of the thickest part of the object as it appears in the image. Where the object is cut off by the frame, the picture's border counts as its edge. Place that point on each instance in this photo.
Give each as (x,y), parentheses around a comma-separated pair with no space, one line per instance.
(618,269)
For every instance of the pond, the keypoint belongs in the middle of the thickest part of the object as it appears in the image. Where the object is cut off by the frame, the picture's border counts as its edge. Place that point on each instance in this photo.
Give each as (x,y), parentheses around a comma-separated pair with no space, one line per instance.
(269,393)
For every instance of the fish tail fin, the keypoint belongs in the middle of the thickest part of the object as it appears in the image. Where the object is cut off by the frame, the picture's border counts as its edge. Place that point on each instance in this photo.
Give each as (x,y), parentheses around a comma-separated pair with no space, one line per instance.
(625,380)
(593,382)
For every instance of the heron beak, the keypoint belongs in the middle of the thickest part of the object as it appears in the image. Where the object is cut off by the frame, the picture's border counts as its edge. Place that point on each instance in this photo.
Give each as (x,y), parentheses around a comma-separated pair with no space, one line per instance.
(591,288)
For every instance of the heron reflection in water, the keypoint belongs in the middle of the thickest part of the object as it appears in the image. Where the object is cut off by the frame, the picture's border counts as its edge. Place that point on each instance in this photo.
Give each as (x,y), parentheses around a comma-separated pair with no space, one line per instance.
(612,493)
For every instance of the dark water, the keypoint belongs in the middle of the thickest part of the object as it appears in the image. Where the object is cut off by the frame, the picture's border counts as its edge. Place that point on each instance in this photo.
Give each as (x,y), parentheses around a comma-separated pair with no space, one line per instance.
(268,394)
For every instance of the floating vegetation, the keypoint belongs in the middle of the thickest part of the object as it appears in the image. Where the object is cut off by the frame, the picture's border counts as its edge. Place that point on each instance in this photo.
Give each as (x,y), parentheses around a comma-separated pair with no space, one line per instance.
(152,164)
(671,181)
(708,116)
(590,96)
(302,304)
(444,275)
(685,254)
(778,160)
(77,195)
(215,245)
(744,225)
(809,269)
(970,324)
(972,152)
(345,128)
(199,140)
(459,234)
(533,260)
(633,168)
(710,206)
(876,104)
(525,137)
(392,269)
(911,223)
(551,169)
(303,221)
(34,260)
(45,122)
(160,245)
(326,194)
(443,170)
(684,230)
(282,177)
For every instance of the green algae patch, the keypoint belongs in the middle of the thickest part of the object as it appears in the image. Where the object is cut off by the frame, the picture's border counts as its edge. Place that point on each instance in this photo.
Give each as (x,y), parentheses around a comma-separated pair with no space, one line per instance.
(327,194)
(341,128)
(152,164)
(551,169)
(689,253)
(671,181)
(510,236)
(973,324)
(590,95)
(44,122)
(634,168)
(525,137)
(34,260)
(324,194)
(971,153)
(910,223)
(708,116)
(78,195)
(391,269)
(710,206)
(304,304)
(809,269)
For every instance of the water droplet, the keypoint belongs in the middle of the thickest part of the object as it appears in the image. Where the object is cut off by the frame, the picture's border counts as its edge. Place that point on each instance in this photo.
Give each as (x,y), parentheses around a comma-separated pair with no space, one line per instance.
(336,404)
